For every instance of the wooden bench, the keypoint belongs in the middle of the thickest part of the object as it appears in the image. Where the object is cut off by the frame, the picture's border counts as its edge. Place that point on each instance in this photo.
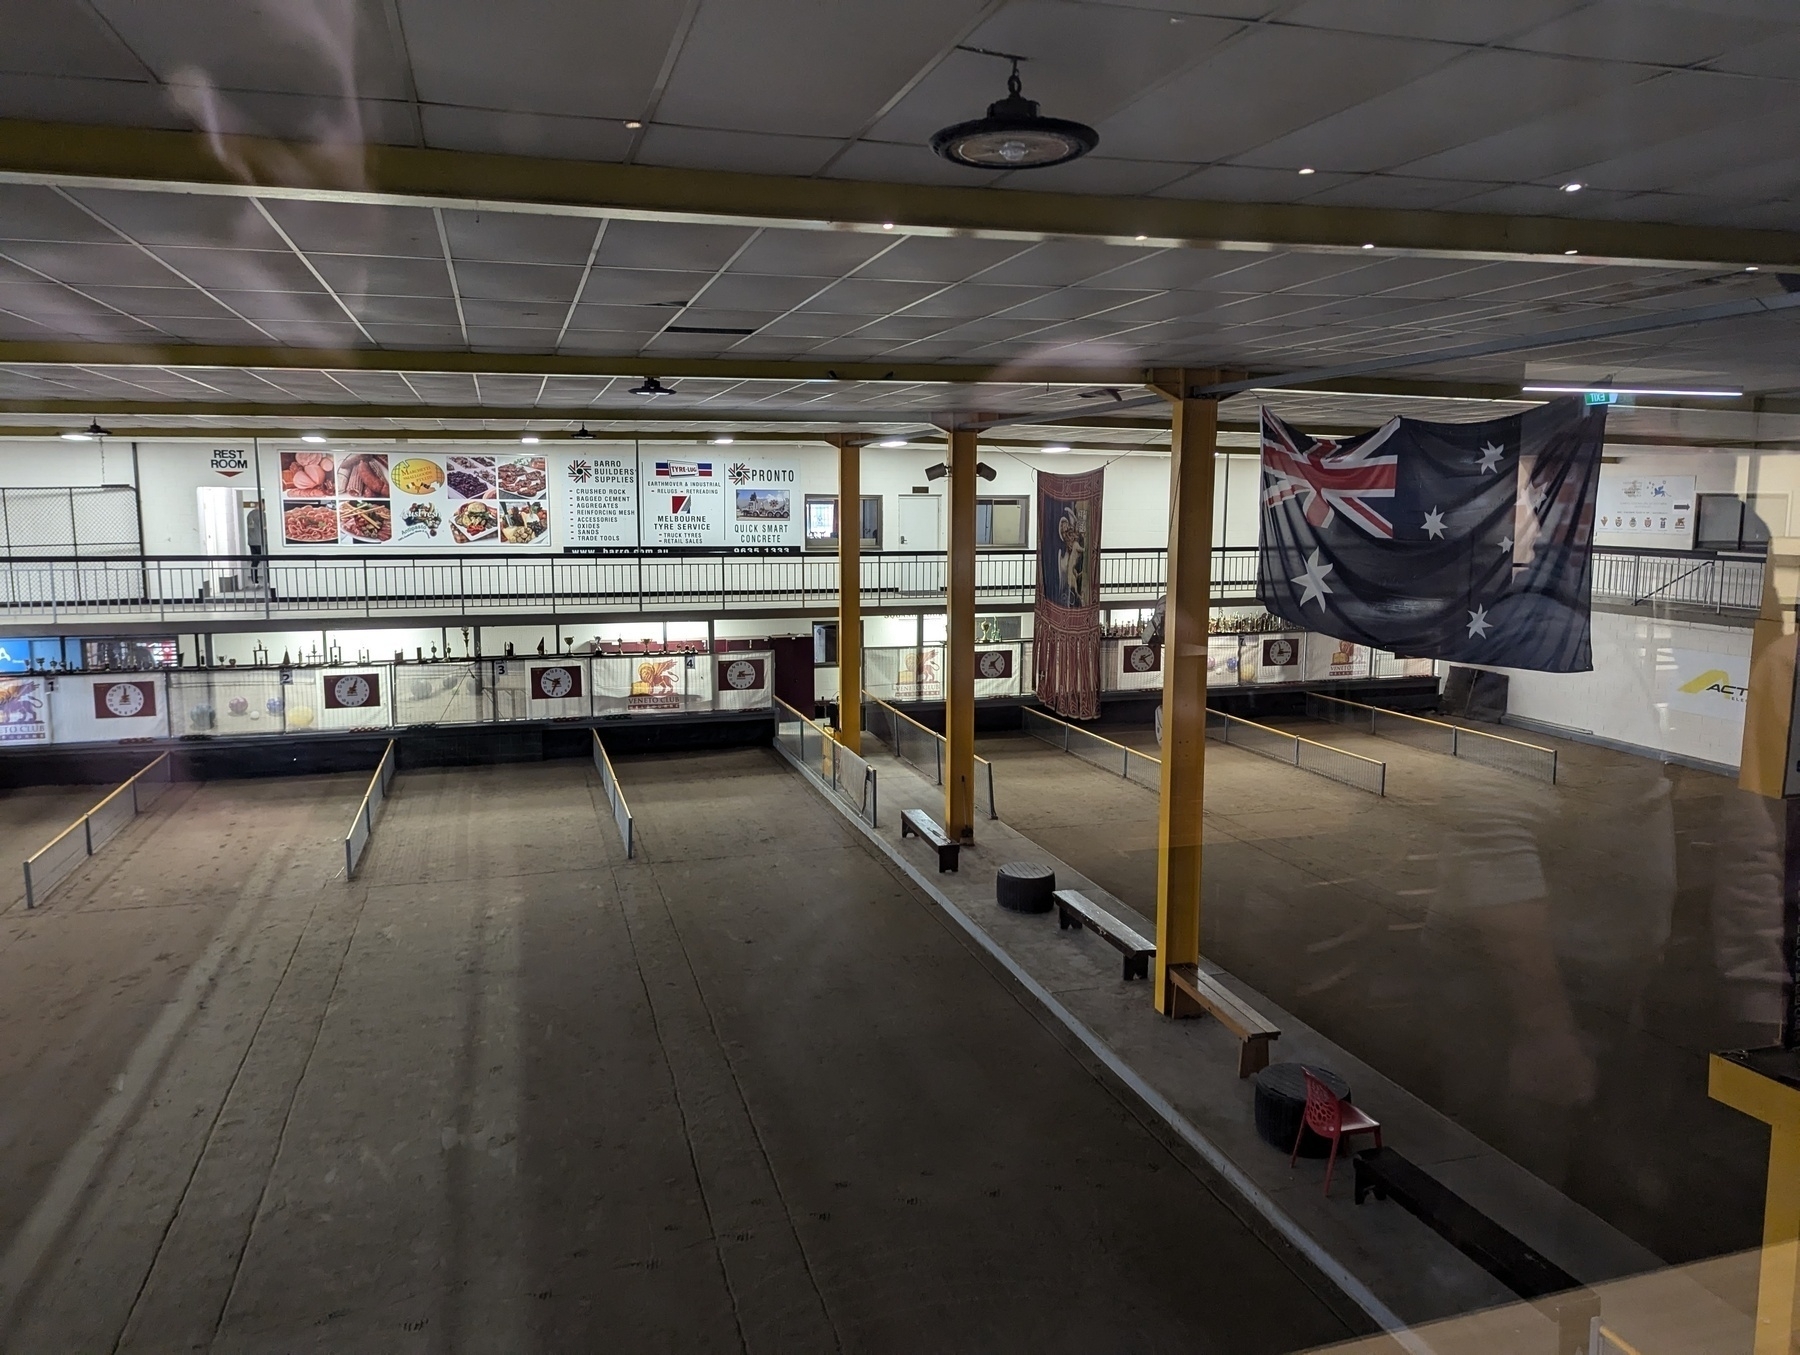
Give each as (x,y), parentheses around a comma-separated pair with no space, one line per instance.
(1075,909)
(1515,1263)
(1192,993)
(917,823)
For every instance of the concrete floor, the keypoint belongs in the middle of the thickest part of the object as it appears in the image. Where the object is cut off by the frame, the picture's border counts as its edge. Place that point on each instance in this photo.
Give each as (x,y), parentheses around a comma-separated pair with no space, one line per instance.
(510,1092)
(1566,1023)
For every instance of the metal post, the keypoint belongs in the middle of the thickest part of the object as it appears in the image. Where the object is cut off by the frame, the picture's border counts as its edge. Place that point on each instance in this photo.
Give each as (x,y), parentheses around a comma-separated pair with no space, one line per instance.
(849,594)
(30,896)
(87,832)
(1191,469)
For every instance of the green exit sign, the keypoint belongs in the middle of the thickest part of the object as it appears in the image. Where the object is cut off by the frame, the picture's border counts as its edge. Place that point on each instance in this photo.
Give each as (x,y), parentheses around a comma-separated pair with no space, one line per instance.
(1602,397)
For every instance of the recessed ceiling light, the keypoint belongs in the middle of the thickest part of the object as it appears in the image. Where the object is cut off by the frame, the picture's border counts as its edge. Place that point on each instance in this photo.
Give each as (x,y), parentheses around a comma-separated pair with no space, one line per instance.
(1057,447)
(529,438)
(312,437)
(887,225)
(1751,269)
(633,123)
(1014,135)
(1309,170)
(1698,393)
(1368,246)
(892,442)
(1568,251)
(1143,237)
(721,442)
(1572,187)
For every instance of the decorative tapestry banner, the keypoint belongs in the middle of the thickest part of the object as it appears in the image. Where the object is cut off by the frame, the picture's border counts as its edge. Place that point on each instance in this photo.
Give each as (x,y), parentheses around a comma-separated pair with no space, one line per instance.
(1066,641)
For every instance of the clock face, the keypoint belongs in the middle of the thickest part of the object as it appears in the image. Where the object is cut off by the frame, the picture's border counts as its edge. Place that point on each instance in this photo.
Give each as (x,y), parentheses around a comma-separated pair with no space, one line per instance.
(125,699)
(741,675)
(554,682)
(1143,658)
(993,665)
(352,690)
(1281,653)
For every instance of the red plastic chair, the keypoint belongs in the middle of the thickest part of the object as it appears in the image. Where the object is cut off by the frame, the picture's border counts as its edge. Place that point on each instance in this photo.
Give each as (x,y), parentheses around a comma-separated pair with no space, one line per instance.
(1330,1117)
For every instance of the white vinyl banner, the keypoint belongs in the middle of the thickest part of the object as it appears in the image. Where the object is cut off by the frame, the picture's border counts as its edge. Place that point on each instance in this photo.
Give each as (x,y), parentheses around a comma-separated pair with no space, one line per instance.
(1649,510)
(594,497)
(683,501)
(765,503)
(1708,683)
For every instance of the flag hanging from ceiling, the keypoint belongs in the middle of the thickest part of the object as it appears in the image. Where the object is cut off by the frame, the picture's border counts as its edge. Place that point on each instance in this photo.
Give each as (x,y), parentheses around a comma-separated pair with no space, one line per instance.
(1066,635)
(1463,541)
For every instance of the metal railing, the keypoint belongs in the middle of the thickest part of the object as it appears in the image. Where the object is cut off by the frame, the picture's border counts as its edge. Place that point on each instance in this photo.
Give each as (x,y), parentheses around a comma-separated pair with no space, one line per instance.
(1711,582)
(362,827)
(1130,763)
(1438,736)
(812,748)
(615,797)
(1351,769)
(54,862)
(923,748)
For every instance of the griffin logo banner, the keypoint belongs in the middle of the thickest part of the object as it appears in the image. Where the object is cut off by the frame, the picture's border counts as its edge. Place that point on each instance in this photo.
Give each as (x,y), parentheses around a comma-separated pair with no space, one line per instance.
(1463,541)
(1066,644)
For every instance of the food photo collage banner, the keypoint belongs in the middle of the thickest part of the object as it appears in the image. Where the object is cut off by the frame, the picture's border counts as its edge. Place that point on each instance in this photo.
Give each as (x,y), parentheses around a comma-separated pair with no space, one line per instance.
(424,499)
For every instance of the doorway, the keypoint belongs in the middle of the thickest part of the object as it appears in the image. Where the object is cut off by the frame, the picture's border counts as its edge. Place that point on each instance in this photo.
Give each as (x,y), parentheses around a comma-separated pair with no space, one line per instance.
(919,522)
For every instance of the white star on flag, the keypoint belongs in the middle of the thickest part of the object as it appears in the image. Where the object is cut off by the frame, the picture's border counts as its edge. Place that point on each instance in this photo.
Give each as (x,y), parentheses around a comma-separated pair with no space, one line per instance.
(1479,624)
(1434,523)
(1539,496)
(1490,458)
(1313,579)
(1506,543)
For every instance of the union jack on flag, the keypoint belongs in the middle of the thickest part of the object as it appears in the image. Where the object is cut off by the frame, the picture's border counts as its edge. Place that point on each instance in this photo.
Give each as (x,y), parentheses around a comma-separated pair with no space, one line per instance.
(1325,477)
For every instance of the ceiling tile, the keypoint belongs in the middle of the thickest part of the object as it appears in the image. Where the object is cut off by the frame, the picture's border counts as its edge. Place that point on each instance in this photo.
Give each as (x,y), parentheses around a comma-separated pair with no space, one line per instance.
(120,265)
(803,253)
(905,162)
(28,212)
(746,152)
(518,282)
(356,228)
(403,310)
(358,275)
(512,314)
(940,259)
(1444,23)
(1099,175)
(515,237)
(641,287)
(506,132)
(1641,30)
(670,245)
(157,303)
(249,270)
(1058,263)
(867,297)
(970,299)
(750,291)
(1249,183)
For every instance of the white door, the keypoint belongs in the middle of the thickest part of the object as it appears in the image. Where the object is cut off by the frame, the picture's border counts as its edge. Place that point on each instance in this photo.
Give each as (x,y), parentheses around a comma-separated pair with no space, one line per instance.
(919,522)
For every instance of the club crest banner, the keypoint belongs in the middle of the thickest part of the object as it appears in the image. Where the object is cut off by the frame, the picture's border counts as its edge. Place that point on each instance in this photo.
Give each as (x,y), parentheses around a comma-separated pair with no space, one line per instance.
(1066,641)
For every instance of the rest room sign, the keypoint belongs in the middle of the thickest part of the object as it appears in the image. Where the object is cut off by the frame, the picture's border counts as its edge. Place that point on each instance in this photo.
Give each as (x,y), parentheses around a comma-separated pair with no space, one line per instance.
(229,461)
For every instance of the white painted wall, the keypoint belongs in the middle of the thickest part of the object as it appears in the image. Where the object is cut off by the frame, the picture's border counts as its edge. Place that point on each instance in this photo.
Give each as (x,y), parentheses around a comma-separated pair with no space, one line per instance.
(1639,661)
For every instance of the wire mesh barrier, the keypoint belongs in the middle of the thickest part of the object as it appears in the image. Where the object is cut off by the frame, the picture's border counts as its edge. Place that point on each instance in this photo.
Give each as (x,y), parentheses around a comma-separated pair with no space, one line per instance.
(1351,769)
(1438,736)
(615,797)
(53,863)
(812,748)
(362,828)
(923,748)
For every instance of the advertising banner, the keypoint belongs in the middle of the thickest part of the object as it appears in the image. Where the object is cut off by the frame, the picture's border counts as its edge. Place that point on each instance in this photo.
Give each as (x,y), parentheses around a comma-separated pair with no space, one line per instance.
(765,504)
(742,683)
(1326,657)
(1270,658)
(553,682)
(352,691)
(413,500)
(1646,510)
(124,700)
(24,710)
(683,503)
(1706,682)
(596,499)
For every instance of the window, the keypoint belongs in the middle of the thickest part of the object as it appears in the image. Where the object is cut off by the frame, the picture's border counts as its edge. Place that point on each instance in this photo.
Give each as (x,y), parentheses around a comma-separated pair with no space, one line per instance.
(1726,522)
(1000,523)
(822,522)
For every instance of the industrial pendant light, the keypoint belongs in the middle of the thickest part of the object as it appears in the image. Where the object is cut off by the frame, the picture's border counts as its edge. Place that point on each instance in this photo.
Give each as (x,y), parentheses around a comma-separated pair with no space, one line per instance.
(581,434)
(651,386)
(1013,135)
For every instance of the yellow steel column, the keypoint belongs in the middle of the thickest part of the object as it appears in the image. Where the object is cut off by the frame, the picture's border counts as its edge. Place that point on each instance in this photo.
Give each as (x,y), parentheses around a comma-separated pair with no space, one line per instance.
(1777,1104)
(850,631)
(959,643)
(1192,447)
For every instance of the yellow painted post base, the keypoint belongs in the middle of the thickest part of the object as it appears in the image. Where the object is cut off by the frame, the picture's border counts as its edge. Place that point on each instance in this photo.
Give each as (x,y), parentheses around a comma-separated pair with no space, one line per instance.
(1776,1104)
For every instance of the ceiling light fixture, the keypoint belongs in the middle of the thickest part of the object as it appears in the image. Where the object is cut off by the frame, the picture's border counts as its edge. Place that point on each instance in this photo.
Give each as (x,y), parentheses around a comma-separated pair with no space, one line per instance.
(887,225)
(581,434)
(1573,187)
(530,439)
(1309,170)
(892,442)
(721,442)
(651,386)
(1568,251)
(1751,269)
(92,433)
(1697,393)
(1370,246)
(633,123)
(1014,135)
(312,437)
(1057,447)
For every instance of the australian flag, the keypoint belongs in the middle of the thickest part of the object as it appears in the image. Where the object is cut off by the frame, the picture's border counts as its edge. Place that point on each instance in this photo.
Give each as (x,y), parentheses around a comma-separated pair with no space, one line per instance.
(1463,541)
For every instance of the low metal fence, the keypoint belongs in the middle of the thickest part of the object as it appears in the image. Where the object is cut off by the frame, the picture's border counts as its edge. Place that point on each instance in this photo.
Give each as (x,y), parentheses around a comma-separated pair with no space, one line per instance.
(615,797)
(362,827)
(1351,769)
(54,862)
(812,748)
(1130,763)
(1438,736)
(923,748)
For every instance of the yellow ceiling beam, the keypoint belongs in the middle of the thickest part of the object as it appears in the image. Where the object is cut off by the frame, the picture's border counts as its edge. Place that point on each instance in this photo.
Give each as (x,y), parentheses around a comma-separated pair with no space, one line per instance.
(188,162)
(457,362)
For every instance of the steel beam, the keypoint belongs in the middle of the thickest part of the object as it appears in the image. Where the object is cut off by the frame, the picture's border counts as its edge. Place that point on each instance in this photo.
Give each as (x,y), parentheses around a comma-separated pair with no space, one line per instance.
(1185,614)
(850,630)
(148,160)
(959,643)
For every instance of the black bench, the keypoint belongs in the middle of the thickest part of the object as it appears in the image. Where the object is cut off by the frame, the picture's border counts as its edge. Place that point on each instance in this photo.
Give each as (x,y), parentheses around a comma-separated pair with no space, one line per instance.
(1075,909)
(1193,993)
(917,823)
(1527,1272)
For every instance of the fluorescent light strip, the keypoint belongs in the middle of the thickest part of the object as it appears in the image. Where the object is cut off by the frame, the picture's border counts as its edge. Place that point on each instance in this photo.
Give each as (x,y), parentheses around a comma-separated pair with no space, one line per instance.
(1717,394)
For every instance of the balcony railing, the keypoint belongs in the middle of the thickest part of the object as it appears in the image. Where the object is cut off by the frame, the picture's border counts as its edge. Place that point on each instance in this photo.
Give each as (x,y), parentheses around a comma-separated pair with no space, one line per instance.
(193,591)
